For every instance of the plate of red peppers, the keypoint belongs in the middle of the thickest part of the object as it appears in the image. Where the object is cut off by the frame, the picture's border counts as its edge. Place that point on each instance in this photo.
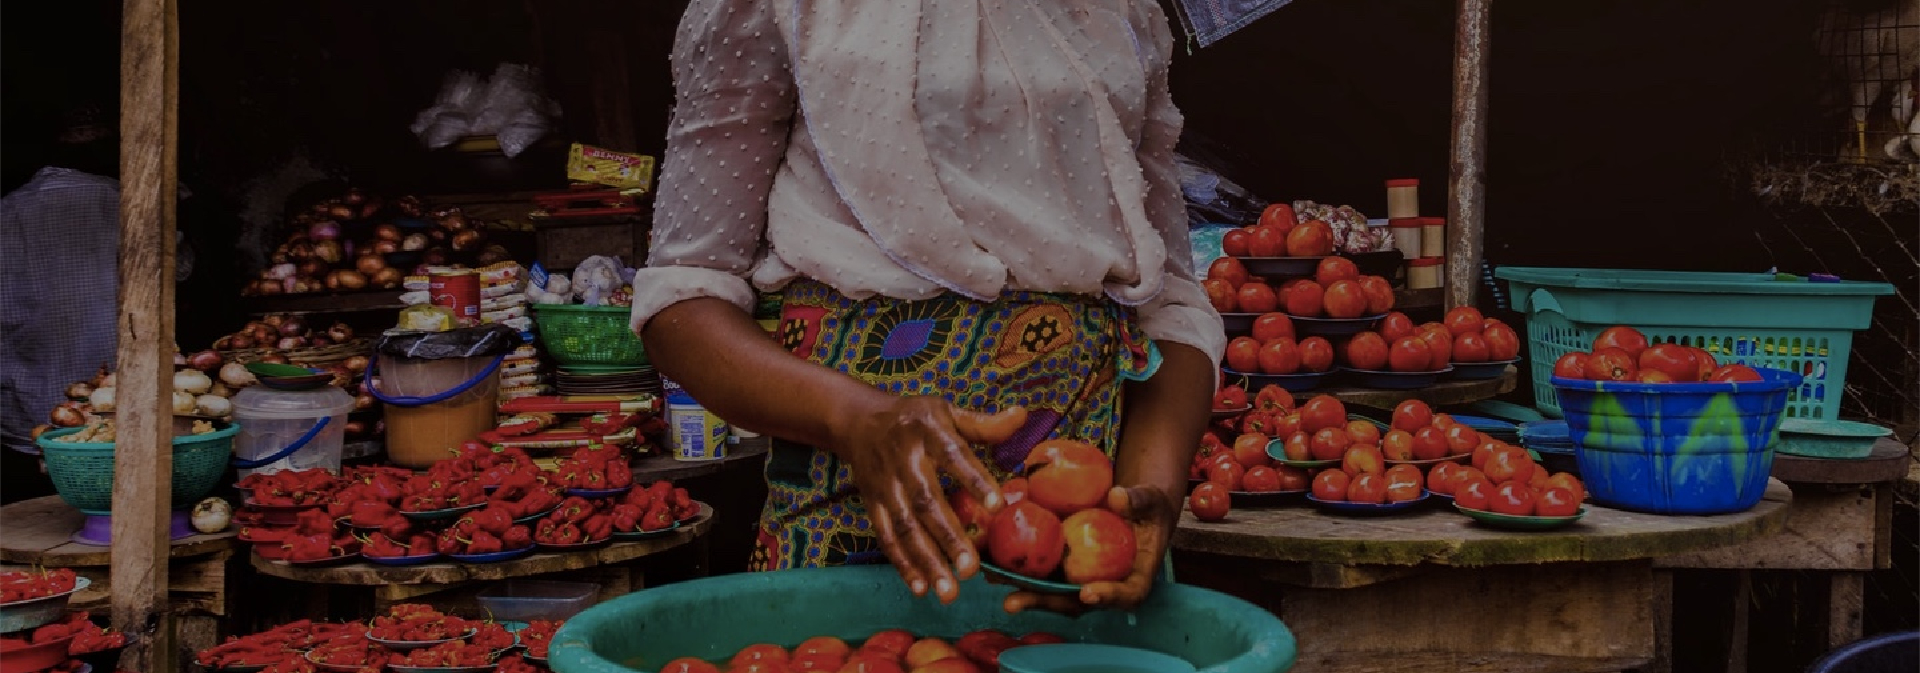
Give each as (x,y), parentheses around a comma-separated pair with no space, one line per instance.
(449,657)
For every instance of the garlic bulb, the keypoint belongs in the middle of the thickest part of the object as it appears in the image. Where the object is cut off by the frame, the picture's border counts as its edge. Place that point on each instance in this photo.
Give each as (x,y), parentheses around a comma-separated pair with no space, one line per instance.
(236,376)
(101,399)
(191,381)
(212,515)
(183,402)
(212,405)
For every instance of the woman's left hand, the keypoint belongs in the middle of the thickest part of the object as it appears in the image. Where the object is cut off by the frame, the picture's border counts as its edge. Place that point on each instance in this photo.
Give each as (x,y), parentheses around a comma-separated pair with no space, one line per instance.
(1153,513)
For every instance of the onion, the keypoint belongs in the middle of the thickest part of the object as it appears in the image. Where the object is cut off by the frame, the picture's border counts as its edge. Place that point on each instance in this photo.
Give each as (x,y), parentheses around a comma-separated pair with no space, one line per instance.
(356,428)
(279,255)
(466,240)
(80,390)
(300,252)
(211,515)
(293,327)
(206,360)
(353,197)
(350,279)
(235,375)
(212,405)
(387,232)
(224,343)
(290,343)
(389,278)
(410,205)
(340,332)
(272,320)
(453,220)
(192,381)
(102,378)
(434,257)
(415,241)
(324,230)
(220,388)
(313,268)
(329,251)
(322,207)
(317,341)
(101,399)
(363,402)
(342,212)
(183,403)
(369,263)
(369,209)
(385,246)
(64,416)
(242,341)
(493,254)
(274,358)
(282,271)
(264,334)
(179,360)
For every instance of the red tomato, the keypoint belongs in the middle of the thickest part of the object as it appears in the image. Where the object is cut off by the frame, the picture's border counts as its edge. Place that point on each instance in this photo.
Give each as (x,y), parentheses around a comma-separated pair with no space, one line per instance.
(1322,412)
(1306,299)
(1316,354)
(1442,477)
(1379,294)
(1230,270)
(1565,480)
(1571,366)
(1653,376)
(1510,464)
(762,652)
(1013,490)
(1484,452)
(894,642)
(1429,443)
(1344,299)
(828,645)
(1334,269)
(1471,347)
(1273,398)
(973,522)
(806,663)
(1359,460)
(1412,415)
(1256,298)
(1395,326)
(1287,424)
(1243,355)
(1440,342)
(1027,539)
(1279,215)
(1235,242)
(1463,319)
(1229,474)
(1397,444)
(1461,439)
(1041,638)
(1231,397)
(1622,337)
(1268,242)
(1291,478)
(1502,343)
(1472,491)
(1250,450)
(1100,547)
(1556,502)
(1279,356)
(1410,354)
(1312,238)
(871,663)
(1610,364)
(1270,326)
(1369,488)
(1404,483)
(1363,432)
(1707,363)
(1678,362)
(1261,479)
(1734,373)
(1224,297)
(1512,497)
(1331,485)
(1299,446)
(1067,476)
(1208,502)
(1329,444)
(689,665)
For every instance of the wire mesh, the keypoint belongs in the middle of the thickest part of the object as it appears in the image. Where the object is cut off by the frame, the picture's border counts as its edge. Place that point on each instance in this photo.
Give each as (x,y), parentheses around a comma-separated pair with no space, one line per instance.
(1871,49)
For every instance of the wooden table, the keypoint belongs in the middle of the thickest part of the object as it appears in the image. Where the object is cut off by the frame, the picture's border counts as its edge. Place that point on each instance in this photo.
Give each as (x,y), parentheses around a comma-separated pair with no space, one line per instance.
(1841,524)
(749,453)
(1433,591)
(36,532)
(392,584)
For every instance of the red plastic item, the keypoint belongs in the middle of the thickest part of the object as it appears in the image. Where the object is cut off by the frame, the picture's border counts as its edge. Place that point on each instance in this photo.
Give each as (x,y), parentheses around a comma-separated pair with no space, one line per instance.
(34,658)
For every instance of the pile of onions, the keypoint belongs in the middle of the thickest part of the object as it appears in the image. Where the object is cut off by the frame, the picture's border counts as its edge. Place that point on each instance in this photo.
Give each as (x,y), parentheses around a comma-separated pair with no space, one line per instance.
(342,244)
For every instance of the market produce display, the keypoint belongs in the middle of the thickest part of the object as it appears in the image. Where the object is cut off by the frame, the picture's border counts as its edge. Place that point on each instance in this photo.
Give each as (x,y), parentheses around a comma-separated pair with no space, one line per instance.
(356,241)
(26,585)
(1055,523)
(407,635)
(1622,353)
(890,651)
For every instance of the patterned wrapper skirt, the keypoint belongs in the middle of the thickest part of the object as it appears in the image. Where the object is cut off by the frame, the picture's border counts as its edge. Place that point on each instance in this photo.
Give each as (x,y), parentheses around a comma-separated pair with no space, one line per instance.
(1061,356)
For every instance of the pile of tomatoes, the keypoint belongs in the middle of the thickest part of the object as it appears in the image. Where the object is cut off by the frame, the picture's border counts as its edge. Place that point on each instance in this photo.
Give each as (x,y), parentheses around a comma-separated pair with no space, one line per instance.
(1055,519)
(1336,290)
(891,651)
(1622,353)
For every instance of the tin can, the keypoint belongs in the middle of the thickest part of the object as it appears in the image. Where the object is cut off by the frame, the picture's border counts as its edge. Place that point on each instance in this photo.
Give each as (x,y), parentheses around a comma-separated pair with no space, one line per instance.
(457,290)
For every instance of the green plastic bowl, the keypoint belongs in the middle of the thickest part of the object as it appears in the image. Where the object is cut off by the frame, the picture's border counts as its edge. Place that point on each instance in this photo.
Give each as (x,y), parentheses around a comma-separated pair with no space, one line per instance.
(714,617)
(1828,439)
(82,472)
(1089,658)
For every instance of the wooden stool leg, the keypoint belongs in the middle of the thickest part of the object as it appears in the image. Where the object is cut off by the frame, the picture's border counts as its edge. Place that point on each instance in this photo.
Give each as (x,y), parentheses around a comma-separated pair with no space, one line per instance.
(1846,595)
(1742,601)
(1662,624)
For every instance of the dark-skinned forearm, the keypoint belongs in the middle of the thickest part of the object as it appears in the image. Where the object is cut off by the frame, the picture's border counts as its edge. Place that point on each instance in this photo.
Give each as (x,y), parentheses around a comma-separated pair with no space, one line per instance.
(1163,420)
(727,361)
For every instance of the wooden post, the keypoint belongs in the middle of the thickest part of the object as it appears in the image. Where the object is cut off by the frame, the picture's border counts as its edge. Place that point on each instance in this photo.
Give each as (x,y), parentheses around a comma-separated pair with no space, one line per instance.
(143,462)
(1466,190)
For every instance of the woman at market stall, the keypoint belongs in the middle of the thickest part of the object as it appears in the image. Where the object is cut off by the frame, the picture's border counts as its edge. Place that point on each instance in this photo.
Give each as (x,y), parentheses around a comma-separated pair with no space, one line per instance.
(973,213)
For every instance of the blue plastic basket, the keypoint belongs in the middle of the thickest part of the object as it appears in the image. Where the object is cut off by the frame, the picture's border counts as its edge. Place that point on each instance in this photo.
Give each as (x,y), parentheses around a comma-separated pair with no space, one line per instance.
(1747,318)
(1676,448)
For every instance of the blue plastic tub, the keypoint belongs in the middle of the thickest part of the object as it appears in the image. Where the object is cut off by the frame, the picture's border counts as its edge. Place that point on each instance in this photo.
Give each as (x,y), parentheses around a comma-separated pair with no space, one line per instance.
(1676,448)
(714,617)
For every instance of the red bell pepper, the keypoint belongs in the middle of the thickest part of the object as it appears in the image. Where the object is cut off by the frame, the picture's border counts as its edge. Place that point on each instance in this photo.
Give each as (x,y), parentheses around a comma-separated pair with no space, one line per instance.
(597,527)
(484,543)
(517,537)
(573,510)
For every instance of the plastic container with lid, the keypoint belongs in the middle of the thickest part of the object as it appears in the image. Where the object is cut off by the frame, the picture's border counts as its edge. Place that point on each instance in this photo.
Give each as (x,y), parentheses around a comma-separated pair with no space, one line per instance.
(696,433)
(307,426)
(1406,236)
(1425,273)
(439,388)
(1433,237)
(1403,198)
(528,600)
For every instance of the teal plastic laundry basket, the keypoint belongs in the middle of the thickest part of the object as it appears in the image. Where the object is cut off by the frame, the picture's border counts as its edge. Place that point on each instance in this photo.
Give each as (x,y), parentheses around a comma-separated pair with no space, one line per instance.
(714,617)
(1748,318)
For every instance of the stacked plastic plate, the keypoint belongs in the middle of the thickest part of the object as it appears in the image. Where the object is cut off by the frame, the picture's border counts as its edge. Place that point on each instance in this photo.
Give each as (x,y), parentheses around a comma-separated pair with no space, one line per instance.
(1553,442)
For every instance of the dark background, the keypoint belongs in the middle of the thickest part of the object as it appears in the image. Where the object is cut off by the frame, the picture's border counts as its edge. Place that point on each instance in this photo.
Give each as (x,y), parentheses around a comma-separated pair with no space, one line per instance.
(1612,132)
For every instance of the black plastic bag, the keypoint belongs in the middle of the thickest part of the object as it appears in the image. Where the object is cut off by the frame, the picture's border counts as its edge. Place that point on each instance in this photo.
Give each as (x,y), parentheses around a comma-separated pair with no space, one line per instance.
(465,342)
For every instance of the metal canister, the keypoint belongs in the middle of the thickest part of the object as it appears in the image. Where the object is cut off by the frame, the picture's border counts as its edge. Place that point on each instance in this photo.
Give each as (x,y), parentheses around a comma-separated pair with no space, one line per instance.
(457,290)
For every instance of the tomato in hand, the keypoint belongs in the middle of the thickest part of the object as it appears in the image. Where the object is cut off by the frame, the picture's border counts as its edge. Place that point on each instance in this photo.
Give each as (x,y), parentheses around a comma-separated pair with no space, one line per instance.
(1678,362)
(1622,337)
(1571,366)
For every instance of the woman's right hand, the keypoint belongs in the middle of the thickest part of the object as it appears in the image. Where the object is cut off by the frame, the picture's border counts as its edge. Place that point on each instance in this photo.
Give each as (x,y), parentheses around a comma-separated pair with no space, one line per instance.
(897,453)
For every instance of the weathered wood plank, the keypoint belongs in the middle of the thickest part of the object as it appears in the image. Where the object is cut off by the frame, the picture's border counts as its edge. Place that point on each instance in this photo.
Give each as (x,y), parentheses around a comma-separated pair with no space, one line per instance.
(1466,186)
(1846,605)
(1888,462)
(1826,529)
(149,106)
(1444,537)
(37,532)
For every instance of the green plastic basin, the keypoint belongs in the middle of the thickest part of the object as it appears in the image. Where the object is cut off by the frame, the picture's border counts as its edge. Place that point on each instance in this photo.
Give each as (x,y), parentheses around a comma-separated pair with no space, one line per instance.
(714,617)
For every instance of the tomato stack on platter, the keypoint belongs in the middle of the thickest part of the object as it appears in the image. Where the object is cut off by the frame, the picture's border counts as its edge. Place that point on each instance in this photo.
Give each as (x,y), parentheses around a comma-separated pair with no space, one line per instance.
(889,651)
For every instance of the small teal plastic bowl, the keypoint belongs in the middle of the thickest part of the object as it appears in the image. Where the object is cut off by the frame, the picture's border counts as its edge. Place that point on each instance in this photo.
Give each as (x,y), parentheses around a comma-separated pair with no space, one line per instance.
(1828,438)
(1089,658)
